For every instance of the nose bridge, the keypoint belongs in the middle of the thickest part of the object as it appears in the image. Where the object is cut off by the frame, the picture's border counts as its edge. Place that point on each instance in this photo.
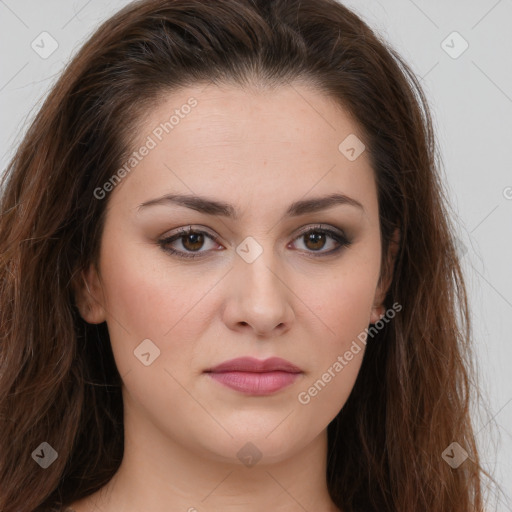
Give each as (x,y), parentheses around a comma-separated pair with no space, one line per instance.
(260,297)
(256,264)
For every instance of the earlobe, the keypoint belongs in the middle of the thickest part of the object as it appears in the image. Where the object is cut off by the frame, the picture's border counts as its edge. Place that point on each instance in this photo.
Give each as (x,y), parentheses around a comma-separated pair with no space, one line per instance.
(378,309)
(377,314)
(87,289)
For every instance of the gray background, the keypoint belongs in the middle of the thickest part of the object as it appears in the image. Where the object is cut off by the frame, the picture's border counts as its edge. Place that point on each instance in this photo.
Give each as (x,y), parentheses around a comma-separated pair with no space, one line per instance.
(471,99)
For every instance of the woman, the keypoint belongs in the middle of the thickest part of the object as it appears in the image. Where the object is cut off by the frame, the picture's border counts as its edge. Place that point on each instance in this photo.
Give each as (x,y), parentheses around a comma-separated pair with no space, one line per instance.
(229,280)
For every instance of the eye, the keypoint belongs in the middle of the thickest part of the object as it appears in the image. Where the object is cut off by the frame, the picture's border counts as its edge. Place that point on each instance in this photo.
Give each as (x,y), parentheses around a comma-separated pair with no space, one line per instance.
(192,240)
(314,239)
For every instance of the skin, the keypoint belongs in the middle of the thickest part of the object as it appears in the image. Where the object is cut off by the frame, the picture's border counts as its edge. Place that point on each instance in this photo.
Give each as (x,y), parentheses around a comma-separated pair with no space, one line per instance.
(259,150)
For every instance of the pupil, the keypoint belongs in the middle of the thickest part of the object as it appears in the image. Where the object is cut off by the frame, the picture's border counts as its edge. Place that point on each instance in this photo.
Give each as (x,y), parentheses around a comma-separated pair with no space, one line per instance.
(315,238)
(193,237)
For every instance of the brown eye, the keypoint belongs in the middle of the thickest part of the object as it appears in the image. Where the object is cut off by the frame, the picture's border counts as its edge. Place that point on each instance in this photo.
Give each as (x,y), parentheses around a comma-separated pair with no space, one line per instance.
(315,240)
(192,241)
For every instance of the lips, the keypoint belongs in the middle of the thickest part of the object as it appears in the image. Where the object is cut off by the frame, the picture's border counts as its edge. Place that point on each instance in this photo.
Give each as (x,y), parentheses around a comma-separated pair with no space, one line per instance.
(254,377)
(250,364)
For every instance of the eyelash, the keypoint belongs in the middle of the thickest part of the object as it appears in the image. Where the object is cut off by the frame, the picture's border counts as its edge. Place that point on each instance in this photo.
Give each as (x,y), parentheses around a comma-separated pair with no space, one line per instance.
(183,232)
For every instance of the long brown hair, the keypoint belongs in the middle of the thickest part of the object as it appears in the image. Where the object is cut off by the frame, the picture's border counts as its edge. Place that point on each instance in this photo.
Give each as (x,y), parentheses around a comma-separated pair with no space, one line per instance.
(58,379)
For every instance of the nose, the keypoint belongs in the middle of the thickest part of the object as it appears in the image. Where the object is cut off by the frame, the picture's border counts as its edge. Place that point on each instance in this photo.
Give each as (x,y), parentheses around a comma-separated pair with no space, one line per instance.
(258,297)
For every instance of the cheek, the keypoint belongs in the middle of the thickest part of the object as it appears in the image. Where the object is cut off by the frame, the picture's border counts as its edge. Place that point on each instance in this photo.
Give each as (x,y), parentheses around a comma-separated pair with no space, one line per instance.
(348,309)
(146,300)
(343,304)
(343,298)
(145,290)
(139,297)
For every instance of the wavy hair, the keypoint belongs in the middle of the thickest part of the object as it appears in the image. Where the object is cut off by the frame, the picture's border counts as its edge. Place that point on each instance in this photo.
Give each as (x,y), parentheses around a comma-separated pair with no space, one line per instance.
(58,379)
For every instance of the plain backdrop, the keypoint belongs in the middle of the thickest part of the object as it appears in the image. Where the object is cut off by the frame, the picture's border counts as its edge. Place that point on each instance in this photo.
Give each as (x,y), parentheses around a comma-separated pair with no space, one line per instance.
(462,53)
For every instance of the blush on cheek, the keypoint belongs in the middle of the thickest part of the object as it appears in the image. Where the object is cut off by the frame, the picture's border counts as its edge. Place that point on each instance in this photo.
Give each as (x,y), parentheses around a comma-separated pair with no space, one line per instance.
(346,311)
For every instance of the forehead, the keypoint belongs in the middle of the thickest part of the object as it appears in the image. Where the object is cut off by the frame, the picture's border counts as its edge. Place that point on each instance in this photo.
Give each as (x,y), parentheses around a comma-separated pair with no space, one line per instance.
(246,145)
(232,114)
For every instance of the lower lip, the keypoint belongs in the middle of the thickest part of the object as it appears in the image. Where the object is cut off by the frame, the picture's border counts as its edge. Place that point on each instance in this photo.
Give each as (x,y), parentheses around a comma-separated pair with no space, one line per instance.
(253,383)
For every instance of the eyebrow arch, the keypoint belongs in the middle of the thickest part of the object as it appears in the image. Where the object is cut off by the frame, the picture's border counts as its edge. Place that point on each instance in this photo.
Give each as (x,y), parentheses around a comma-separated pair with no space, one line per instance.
(212,207)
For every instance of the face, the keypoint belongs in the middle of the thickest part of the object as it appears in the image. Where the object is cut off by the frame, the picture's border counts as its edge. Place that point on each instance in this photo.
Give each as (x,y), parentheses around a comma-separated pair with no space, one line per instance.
(267,272)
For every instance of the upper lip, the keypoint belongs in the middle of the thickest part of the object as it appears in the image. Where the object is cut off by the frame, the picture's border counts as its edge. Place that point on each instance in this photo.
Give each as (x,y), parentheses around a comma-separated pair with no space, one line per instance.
(250,364)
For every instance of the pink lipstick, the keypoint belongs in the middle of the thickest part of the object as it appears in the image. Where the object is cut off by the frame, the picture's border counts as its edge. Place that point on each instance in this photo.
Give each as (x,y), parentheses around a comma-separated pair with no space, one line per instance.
(254,377)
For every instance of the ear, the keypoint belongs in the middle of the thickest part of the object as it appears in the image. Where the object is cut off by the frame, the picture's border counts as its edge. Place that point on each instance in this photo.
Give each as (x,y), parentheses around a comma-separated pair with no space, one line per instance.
(386,278)
(88,295)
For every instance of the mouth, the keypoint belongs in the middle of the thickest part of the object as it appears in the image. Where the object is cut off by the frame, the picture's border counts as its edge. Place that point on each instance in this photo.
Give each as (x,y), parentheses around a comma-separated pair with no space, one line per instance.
(254,377)
(261,383)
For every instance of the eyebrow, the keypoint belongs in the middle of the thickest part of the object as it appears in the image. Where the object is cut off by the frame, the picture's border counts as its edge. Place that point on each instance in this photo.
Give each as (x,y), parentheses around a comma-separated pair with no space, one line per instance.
(210,206)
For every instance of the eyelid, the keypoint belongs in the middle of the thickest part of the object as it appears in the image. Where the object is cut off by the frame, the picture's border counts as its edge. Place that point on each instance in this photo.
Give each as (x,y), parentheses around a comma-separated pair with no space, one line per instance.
(336,234)
(301,230)
(190,227)
(179,233)
(322,227)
